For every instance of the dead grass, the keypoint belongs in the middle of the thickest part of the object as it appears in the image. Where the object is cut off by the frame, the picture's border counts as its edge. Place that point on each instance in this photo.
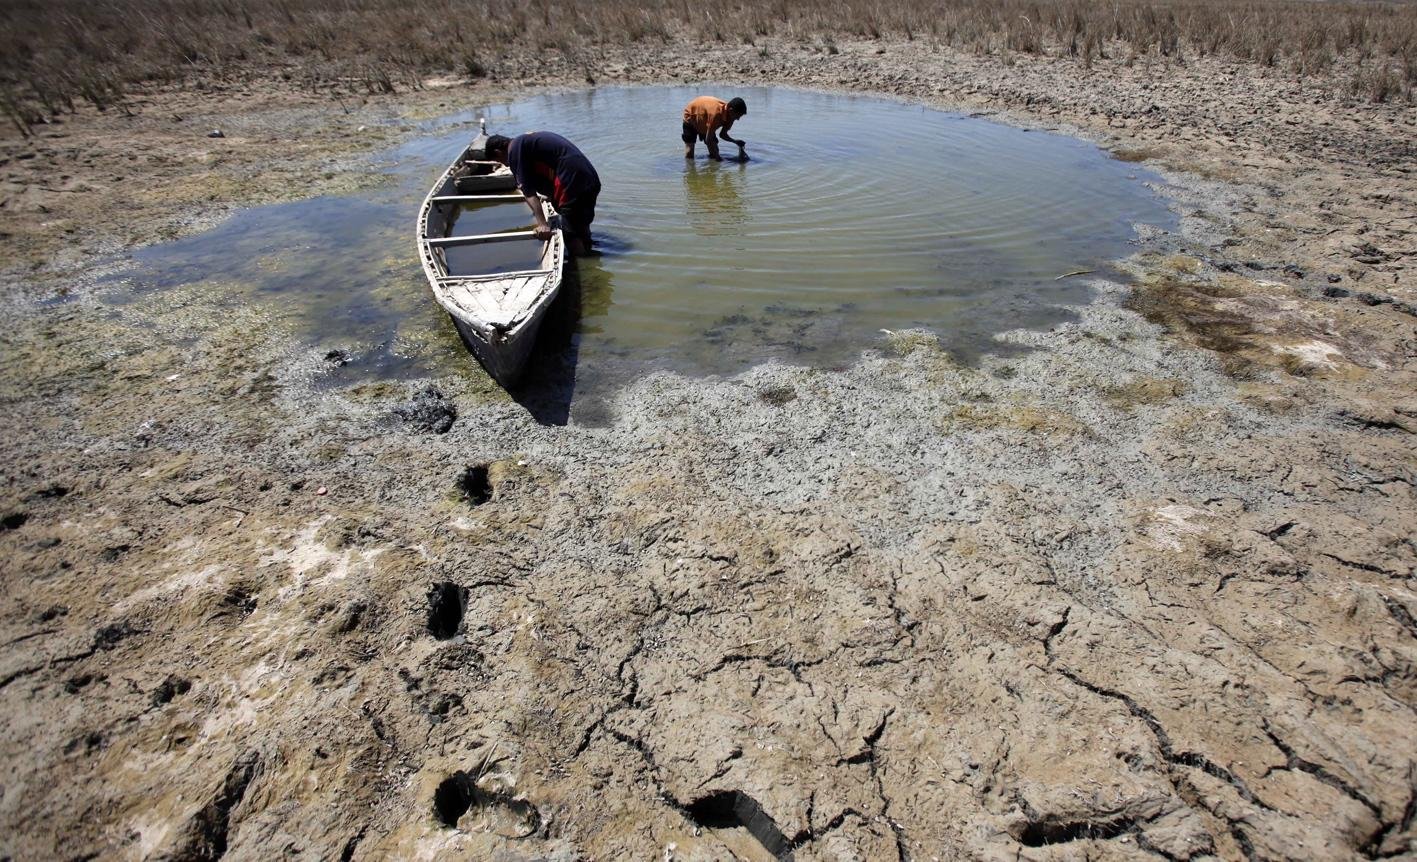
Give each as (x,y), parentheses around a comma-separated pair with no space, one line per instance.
(1199,311)
(1253,327)
(1016,417)
(54,53)
(1137,154)
(1142,392)
(906,342)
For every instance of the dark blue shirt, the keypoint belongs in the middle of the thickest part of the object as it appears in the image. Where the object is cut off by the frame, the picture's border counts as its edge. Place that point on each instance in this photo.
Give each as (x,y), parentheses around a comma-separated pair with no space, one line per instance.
(550,165)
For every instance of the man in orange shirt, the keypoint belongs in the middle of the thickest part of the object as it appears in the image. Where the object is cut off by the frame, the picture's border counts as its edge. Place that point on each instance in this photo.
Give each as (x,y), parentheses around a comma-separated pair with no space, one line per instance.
(707,119)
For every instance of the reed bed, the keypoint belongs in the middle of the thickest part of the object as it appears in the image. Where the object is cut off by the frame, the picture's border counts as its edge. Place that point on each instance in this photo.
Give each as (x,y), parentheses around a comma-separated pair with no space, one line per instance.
(57,53)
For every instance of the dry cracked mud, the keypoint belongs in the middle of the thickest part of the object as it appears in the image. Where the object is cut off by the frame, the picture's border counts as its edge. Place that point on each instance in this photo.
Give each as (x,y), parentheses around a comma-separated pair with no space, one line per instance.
(1142,586)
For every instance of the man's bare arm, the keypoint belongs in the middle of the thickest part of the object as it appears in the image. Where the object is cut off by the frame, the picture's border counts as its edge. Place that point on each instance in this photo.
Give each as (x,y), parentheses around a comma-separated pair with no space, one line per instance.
(723,133)
(541,228)
(740,144)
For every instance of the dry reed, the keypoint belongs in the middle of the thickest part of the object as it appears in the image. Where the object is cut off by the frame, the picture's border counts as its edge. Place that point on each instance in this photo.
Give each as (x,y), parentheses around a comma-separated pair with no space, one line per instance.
(56,52)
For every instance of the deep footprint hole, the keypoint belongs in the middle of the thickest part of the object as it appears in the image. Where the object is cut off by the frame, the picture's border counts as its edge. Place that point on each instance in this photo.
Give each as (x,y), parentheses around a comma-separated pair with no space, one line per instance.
(733,809)
(170,688)
(475,485)
(510,817)
(446,604)
(453,798)
(13,521)
(237,602)
(1042,833)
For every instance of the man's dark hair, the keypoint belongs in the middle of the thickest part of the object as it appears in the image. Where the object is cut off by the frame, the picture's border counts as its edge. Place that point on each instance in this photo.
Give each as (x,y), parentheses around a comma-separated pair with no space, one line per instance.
(738,106)
(497,144)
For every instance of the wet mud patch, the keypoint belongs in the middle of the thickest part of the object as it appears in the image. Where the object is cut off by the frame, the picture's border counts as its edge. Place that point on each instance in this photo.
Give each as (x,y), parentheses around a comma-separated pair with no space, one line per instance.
(1136,154)
(593,412)
(1204,313)
(429,411)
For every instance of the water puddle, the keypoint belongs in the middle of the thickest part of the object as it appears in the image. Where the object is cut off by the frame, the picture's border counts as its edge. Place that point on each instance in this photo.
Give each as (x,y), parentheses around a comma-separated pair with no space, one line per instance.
(853,215)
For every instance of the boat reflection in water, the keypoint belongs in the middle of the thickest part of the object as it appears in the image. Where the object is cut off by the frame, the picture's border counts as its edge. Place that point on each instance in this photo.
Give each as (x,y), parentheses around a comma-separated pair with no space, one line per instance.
(550,380)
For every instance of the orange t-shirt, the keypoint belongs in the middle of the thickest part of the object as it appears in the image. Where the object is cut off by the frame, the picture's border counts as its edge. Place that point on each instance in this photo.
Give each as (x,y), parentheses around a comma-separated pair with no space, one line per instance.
(706,114)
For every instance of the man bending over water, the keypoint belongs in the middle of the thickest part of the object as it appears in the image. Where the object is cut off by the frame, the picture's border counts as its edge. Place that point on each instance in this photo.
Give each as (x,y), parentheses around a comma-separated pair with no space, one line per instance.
(707,119)
(546,164)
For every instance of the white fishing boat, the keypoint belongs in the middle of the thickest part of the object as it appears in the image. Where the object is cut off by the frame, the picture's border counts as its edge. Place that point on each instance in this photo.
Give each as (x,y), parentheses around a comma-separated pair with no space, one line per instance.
(496,284)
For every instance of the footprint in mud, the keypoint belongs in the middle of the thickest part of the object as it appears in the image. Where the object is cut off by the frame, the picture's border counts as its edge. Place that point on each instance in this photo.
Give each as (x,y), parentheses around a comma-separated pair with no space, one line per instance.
(466,802)
(446,604)
(77,683)
(172,687)
(112,634)
(205,835)
(236,604)
(777,395)
(436,706)
(53,612)
(737,820)
(475,485)
(88,743)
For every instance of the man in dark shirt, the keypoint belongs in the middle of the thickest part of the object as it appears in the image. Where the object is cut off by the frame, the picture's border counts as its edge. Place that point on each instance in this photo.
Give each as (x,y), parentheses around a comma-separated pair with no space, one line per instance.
(544,163)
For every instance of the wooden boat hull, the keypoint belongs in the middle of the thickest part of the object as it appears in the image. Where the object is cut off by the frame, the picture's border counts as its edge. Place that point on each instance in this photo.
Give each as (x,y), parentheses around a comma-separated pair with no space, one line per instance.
(498,314)
(505,361)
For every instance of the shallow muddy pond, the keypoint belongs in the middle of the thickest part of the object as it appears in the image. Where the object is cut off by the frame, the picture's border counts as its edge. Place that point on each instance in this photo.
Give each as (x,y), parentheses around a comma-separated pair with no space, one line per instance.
(853,215)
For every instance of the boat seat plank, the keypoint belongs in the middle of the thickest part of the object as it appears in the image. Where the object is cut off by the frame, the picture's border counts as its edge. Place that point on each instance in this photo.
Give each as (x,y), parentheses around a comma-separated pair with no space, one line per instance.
(462,199)
(443,241)
(454,279)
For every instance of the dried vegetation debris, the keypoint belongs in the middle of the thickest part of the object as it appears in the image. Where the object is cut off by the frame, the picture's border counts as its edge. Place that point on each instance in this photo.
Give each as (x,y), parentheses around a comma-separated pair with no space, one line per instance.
(59,53)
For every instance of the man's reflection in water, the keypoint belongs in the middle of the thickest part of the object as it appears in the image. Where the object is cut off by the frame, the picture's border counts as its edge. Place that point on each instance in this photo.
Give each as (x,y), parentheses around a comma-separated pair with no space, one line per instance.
(714,197)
